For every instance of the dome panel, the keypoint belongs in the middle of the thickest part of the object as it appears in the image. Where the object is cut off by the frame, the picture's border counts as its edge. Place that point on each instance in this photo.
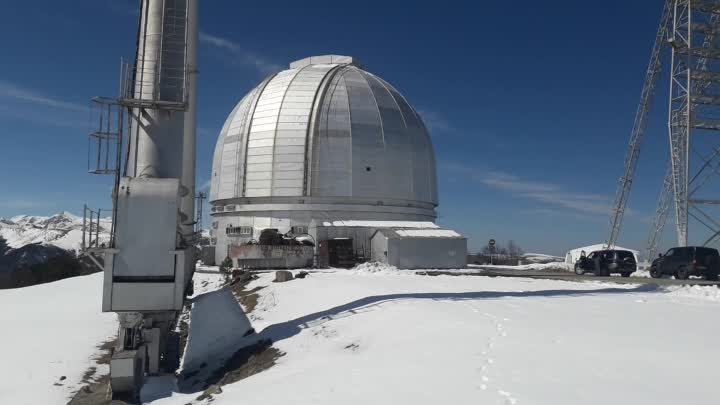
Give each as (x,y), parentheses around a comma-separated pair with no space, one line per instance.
(325,131)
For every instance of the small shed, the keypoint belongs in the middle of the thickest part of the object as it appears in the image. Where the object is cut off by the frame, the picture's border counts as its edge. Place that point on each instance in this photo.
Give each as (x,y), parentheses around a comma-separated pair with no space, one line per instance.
(419,248)
(573,255)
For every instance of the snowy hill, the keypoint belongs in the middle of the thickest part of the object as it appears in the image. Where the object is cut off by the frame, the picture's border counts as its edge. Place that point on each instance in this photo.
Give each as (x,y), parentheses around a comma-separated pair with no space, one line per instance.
(540,258)
(63,230)
(375,335)
(50,336)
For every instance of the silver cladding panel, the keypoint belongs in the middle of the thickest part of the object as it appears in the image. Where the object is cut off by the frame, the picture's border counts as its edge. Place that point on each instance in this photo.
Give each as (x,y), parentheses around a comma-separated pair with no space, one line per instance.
(147,224)
(325,130)
(424,253)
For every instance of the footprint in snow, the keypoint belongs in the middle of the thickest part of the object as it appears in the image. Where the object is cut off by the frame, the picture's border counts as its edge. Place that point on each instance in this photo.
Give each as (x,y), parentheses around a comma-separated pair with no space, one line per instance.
(507,398)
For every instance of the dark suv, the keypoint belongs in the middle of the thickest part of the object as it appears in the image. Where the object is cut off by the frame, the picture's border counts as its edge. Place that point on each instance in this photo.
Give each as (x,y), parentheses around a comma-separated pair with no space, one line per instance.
(606,262)
(683,262)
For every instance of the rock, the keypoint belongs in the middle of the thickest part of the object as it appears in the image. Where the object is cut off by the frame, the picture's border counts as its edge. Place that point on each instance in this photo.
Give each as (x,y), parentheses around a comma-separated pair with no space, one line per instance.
(237,272)
(209,392)
(302,274)
(282,276)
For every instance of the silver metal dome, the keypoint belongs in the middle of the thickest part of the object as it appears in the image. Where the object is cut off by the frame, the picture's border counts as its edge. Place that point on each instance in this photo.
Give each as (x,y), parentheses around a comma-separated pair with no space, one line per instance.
(321,140)
(324,128)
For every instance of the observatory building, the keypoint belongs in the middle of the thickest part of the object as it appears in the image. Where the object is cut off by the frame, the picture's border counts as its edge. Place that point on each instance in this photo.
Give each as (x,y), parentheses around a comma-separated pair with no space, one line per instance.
(322,144)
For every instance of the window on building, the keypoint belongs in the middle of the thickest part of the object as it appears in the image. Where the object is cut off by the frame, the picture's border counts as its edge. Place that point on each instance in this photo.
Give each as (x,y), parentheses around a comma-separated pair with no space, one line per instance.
(215,224)
(299,230)
(239,231)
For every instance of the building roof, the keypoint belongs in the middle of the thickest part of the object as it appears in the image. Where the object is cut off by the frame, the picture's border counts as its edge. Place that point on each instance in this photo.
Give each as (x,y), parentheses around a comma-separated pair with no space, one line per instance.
(395,233)
(599,246)
(325,128)
(383,224)
(428,233)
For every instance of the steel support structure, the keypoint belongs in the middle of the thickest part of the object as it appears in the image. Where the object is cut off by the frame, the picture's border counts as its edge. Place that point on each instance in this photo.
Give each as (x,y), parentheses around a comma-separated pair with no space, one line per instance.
(694,116)
(661,213)
(640,124)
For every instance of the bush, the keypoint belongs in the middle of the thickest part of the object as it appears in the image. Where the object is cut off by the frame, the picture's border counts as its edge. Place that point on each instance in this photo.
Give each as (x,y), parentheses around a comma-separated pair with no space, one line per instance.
(226,265)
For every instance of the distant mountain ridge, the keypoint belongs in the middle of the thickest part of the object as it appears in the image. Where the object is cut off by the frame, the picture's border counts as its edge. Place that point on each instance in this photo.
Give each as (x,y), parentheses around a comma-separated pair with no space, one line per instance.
(62,230)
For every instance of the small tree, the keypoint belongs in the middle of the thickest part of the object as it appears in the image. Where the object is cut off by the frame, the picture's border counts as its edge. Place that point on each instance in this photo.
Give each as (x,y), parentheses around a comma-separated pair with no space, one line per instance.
(513,249)
(226,265)
(3,246)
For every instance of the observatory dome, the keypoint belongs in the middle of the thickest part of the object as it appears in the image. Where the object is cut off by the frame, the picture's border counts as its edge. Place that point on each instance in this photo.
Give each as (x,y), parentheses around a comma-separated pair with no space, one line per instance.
(323,140)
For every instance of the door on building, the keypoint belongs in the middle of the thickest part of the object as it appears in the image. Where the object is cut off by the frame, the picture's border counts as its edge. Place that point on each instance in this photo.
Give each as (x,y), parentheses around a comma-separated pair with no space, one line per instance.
(341,253)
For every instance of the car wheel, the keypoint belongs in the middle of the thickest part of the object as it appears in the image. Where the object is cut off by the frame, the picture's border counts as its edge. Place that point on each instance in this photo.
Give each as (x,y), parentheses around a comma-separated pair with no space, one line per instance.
(579,270)
(655,273)
(682,274)
(625,274)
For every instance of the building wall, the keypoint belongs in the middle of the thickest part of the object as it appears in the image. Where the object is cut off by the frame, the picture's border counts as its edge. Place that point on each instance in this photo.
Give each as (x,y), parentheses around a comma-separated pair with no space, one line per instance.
(379,246)
(427,253)
(284,220)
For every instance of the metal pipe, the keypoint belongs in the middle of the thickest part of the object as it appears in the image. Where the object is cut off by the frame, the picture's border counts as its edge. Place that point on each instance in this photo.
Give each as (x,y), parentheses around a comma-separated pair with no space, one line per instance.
(158,132)
(187,204)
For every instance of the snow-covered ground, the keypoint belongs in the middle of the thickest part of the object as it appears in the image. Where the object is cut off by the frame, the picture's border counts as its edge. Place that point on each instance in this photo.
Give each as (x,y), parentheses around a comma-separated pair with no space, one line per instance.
(49,331)
(390,337)
(383,336)
(532,266)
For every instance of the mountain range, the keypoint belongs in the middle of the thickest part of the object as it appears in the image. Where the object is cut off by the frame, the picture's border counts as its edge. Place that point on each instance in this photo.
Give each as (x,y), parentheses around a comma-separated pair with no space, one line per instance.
(63,230)
(28,240)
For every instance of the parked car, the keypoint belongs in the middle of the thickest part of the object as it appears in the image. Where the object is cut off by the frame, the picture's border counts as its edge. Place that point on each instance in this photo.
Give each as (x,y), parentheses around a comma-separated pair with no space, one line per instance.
(607,262)
(683,262)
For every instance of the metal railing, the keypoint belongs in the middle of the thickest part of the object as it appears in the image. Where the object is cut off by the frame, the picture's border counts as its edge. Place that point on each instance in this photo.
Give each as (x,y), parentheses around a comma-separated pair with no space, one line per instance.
(140,86)
(91,230)
(105,142)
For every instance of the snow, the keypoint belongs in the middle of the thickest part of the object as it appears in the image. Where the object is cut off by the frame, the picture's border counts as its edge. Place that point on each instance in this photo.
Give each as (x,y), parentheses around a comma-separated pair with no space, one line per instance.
(217,328)
(391,337)
(375,334)
(710,293)
(48,331)
(383,224)
(357,337)
(428,233)
(530,267)
(63,230)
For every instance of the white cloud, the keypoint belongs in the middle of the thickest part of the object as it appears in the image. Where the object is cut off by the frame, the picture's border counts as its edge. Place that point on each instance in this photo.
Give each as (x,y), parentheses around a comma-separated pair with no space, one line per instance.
(547,193)
(124,7)
(15,92)
(237,54)
(435,121)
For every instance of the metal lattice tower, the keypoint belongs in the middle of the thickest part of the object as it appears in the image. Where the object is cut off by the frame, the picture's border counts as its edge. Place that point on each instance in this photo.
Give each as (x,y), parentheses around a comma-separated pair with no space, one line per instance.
(694,116)
(661,214)
(640,124)
(691,29)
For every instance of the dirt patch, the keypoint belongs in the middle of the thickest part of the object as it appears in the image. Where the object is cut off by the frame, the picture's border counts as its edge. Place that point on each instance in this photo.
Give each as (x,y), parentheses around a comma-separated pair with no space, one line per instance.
(244,363)
(247,298)
(95,393)
(95,390)
(183,327)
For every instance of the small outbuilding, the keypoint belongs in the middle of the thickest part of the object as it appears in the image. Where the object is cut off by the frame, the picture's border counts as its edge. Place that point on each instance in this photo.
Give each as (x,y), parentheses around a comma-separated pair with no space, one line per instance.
(419,248)
(403,244)
(573,255)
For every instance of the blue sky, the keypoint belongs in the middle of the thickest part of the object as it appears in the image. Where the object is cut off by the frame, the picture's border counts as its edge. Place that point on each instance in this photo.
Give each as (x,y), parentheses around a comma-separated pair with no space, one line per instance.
(530,104)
